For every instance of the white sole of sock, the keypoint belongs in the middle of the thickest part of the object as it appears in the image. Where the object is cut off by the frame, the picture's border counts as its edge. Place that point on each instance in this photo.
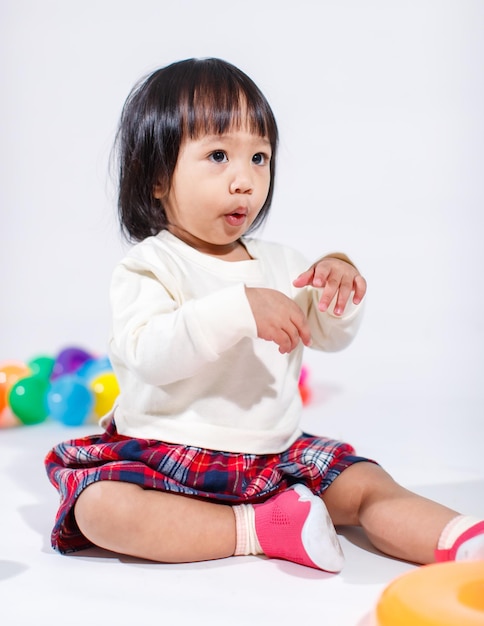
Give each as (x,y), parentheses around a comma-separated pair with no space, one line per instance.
(319,537)
(471,550)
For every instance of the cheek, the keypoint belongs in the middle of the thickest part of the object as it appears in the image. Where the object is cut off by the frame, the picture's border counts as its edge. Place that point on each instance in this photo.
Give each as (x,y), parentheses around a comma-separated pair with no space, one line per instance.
(265,187)
(173,205)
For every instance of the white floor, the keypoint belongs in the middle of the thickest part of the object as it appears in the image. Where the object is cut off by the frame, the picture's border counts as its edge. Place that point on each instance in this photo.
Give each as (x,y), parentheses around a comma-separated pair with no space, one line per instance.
(38,586)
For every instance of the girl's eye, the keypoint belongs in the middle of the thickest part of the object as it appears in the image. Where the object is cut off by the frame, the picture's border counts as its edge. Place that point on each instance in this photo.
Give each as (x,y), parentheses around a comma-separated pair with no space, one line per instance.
(219,156)
(259,159)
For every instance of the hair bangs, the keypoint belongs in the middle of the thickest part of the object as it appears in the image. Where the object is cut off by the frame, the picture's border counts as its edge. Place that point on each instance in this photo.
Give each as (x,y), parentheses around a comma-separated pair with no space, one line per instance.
(219,111)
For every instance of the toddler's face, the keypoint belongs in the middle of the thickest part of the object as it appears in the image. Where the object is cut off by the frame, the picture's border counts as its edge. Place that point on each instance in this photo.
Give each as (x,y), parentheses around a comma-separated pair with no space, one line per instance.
(219,186)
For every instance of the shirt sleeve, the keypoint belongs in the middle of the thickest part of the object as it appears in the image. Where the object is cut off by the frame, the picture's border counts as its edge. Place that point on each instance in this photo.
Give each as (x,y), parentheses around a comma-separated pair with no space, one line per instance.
(330,332)
(163,340)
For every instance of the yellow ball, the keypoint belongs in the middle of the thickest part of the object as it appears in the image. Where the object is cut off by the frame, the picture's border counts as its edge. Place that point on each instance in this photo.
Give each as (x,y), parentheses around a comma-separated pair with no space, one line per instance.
(105,389)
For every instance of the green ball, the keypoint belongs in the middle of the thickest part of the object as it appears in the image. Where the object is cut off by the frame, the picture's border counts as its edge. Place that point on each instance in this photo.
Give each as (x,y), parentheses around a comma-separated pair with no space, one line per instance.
(42,366)
(28,400)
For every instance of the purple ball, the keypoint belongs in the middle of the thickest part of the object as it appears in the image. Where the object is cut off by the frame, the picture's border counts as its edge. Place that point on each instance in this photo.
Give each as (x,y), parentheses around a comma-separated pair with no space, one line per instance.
(69,360)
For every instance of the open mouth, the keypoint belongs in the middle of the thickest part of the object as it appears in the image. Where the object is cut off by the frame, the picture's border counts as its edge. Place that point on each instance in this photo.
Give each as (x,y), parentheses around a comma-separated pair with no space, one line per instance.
(237,218)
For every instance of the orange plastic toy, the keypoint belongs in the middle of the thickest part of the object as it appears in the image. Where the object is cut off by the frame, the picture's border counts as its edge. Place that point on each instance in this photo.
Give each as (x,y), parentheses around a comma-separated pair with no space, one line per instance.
(442,594)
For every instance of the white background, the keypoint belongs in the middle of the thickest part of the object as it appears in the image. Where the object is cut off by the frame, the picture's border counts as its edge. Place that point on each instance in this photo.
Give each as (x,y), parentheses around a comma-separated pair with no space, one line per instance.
(380,109)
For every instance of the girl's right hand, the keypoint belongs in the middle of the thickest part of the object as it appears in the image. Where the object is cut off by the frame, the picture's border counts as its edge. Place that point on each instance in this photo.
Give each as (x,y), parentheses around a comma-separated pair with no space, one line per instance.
(278,318)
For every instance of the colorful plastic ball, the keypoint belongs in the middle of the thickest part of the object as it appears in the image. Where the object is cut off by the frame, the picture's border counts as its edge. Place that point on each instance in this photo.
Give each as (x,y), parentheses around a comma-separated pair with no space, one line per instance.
(305,394)
(69,360)
(10,372)
(42,366)
(94,367)
(304,389)
(69,400)
(106,390)
(303,376)
(8,419)
(27,399)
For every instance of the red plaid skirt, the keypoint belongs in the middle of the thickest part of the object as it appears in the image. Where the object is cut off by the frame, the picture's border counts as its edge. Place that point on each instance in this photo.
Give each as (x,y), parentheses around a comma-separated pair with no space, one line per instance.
(224,477)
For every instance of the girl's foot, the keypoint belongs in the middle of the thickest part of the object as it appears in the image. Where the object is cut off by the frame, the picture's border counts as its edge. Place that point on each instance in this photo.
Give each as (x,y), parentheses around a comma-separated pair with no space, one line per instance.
(295,525)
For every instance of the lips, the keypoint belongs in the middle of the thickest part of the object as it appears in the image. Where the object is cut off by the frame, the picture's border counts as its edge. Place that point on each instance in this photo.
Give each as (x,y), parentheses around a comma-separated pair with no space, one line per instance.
(237,217)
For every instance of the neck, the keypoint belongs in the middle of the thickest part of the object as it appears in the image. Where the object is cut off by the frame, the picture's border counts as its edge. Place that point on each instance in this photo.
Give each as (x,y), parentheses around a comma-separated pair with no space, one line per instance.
(232,251)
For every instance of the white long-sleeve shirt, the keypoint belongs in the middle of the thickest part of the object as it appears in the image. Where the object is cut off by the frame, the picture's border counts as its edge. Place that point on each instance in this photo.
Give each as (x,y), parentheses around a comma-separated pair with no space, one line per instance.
(185,350)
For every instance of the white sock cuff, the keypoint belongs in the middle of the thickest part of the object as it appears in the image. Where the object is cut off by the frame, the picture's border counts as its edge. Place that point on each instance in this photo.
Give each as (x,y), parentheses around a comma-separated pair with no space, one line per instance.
(246,537)
(454,529)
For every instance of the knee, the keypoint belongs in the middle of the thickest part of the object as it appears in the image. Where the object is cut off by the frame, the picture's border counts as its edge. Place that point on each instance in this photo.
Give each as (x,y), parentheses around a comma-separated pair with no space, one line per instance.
(371,475)
(371,481)
(88,510)
(97,509)
(355,488)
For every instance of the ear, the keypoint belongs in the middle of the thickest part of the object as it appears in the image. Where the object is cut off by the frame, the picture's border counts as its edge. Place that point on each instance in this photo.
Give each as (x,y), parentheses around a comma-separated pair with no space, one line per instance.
(159,191)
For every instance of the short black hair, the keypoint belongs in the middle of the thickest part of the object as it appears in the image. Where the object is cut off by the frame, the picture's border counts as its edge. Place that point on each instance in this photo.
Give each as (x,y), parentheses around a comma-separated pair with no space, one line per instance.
(185,99)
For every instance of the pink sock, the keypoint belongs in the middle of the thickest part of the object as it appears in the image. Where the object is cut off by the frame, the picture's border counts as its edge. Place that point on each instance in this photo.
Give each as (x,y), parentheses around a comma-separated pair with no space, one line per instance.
(461,540)
(293,525)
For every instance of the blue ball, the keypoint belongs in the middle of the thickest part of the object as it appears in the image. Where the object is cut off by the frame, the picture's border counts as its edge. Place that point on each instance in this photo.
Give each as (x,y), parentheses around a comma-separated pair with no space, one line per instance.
(69,400)
(94,367)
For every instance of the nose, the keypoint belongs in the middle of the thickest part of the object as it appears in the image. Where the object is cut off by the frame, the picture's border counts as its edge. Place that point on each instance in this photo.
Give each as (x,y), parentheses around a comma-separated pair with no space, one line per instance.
(242,180)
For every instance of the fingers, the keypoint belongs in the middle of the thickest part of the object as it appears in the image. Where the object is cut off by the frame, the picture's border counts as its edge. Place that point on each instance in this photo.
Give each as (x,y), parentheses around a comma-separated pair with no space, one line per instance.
(278,319)
(337,278)
(286,341)
(301,324)
(304,279)
(343,291)
(360,289)
(296,329)
(288,338)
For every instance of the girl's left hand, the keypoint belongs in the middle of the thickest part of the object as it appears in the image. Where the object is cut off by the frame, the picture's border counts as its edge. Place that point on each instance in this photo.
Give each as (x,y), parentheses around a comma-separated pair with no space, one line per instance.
(334,275)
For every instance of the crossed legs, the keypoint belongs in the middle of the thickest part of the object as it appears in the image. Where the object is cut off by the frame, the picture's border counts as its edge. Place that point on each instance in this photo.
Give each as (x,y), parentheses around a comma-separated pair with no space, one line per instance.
(165,527)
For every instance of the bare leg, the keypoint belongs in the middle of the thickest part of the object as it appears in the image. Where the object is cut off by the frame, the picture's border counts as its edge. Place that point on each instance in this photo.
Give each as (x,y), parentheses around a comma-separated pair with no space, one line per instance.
(397,521)
(171,528)
(127,519)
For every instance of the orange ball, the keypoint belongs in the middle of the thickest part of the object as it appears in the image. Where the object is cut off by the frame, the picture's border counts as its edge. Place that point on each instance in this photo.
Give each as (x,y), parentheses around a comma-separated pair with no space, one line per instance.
(305,394)
(8,419)
(10,373)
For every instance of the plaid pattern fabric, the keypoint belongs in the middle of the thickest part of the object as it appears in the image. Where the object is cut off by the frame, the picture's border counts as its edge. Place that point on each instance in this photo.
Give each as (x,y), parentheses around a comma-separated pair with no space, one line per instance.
(230,478)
